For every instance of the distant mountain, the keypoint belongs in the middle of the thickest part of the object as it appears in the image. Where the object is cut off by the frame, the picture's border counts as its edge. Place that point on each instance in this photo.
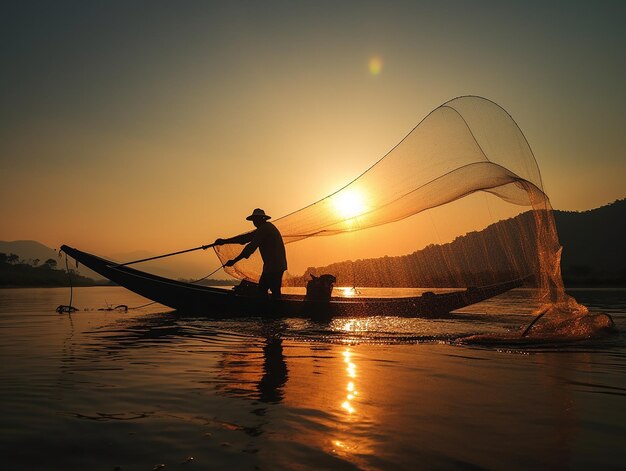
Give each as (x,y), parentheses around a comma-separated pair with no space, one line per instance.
(478,258)
(593,245)
(16,273)
(593,254)
(30,250)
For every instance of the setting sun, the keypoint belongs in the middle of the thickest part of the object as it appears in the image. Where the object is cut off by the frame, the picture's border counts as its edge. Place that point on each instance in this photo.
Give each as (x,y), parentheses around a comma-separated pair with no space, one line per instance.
(349,204)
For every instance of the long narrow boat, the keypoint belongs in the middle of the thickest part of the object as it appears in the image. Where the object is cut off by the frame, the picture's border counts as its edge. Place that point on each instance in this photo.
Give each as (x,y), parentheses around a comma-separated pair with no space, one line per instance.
(221,303)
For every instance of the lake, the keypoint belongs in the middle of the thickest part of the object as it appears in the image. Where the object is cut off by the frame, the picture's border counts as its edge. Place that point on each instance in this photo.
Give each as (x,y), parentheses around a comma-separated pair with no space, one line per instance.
(147,390)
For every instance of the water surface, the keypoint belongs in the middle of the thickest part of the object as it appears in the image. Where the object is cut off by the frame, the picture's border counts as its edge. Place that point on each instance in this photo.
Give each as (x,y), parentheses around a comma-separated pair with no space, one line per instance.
(105,389)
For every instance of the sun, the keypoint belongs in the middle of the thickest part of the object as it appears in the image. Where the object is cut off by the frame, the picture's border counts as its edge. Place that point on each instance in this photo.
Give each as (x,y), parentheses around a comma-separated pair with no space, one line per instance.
(349,204)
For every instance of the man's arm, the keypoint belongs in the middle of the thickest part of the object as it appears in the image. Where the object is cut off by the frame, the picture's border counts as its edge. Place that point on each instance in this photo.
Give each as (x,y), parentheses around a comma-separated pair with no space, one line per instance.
(245,253)
(253,238)
(240,239)
(250,248)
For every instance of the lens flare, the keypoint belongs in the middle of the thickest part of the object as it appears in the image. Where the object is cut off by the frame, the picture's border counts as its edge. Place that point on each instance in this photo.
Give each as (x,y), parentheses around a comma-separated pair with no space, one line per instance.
(375,65)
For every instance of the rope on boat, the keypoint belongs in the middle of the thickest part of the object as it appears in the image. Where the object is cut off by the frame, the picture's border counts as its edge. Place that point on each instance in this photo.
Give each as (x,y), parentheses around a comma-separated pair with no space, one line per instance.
(122,307)
(205,277)
(63,307)
(126,308)
(203,247)
(69,308)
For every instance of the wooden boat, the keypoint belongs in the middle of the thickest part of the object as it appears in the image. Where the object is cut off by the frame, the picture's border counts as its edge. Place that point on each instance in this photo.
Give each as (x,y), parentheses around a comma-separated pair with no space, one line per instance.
(222,303)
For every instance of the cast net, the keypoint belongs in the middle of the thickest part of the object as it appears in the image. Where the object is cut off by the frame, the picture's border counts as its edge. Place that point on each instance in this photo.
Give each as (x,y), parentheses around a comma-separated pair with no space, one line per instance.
(459,202)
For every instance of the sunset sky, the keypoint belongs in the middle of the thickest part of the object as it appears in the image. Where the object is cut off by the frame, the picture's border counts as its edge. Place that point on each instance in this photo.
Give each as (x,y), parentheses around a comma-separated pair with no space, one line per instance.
(160,125)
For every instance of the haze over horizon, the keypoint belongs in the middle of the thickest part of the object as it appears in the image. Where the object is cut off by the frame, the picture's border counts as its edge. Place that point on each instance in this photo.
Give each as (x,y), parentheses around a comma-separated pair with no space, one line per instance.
(157,127)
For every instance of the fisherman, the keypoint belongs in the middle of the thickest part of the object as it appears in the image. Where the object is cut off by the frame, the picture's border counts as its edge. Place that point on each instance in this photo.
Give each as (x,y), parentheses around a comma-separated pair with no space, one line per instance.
(268,240)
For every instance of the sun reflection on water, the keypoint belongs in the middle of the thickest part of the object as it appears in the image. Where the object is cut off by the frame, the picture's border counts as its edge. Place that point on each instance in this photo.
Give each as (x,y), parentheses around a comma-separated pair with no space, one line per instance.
(348,292)
(351,371)
(345,443)
(351,325)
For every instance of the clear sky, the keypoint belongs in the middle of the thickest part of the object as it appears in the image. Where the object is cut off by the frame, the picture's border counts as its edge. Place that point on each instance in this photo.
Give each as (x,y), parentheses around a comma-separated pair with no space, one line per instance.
(160,125)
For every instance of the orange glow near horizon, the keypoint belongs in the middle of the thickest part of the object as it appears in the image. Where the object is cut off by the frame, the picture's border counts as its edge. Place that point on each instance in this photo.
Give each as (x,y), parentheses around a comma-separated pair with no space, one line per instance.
(156,149)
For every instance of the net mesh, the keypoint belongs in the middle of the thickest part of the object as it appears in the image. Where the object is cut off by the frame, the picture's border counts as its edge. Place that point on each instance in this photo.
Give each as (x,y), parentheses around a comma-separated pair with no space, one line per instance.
(459,202)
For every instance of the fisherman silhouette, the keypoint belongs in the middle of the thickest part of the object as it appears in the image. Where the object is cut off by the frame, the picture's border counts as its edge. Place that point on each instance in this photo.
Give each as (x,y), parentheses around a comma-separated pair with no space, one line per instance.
(268,240)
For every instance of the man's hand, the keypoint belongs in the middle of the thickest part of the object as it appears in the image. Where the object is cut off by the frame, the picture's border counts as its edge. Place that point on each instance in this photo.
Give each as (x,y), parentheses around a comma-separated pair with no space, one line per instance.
(219,242)
(230,263)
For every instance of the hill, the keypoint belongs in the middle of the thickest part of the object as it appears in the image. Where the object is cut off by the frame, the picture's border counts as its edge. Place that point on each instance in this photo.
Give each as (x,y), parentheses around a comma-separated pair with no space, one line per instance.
(591,240)
(593,245)
(592,255)
(188,267)
(17,271)
(28,250)
(14,273)
(34,253)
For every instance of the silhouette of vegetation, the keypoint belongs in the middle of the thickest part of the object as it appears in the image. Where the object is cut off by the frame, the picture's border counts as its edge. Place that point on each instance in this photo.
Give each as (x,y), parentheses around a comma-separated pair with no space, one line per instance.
(446,265)
(592,255)
(17,273)
(51,263)
(12,258)
(593,245)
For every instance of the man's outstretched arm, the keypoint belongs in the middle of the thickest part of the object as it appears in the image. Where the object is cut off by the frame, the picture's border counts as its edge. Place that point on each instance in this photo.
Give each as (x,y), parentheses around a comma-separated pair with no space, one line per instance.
(245,253)
(253,239)
(240,239)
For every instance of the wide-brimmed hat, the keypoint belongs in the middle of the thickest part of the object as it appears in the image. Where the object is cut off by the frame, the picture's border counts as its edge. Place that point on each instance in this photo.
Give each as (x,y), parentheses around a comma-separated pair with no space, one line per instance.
(258,213)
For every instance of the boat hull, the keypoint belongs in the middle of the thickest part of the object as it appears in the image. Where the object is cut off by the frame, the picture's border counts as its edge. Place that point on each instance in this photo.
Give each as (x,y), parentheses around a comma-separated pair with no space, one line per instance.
(223,303)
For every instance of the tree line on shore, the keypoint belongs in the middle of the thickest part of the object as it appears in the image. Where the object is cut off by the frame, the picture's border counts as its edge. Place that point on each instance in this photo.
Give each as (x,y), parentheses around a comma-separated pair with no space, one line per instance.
(15,272)
(592,255)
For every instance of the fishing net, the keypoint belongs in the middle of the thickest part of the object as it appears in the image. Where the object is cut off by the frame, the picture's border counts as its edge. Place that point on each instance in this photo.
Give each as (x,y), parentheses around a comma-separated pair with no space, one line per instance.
(459,202)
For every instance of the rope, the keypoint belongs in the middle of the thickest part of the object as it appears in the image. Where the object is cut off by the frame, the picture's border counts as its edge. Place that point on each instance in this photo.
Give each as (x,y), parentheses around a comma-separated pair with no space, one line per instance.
(205,277)
(63,307)
(155,302)
(70,308)
(203,247)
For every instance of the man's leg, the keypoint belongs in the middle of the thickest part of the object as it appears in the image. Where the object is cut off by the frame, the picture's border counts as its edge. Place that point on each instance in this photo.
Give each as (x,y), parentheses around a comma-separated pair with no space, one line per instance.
(264,285)
(276,280)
